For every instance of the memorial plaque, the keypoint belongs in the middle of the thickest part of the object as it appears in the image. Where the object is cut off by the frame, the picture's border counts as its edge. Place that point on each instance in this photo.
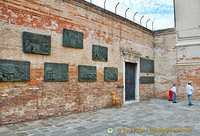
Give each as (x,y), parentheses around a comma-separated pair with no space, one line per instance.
(36,43)
(146,80)
(56,72)
(99,53)
(87,73)
(110,74)
(146,65)
(120,86)
(72,39)
(11,70)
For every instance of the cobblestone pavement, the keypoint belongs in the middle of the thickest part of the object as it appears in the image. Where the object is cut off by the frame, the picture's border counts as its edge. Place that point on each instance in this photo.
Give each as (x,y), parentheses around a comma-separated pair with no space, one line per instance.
(131,120)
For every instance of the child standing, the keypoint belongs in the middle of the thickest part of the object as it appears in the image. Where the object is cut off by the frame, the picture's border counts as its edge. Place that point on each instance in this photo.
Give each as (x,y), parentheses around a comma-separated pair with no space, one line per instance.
(174,93)
(170,95)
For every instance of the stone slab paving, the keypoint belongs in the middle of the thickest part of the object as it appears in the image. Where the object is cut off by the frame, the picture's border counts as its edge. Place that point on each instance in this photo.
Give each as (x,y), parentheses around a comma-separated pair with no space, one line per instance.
(146,118)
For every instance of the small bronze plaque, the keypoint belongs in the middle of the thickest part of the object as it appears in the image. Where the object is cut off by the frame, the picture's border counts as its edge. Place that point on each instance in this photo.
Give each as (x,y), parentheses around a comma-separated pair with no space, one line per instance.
(110,74)
(36,43)
(72,39)
(11,70)
(99,53)
(146,80)
(87,73)
(56,72)
(120,86)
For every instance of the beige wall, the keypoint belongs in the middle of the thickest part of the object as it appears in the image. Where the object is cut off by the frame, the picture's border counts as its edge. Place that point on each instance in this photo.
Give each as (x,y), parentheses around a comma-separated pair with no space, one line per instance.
(187,21)
(187,13)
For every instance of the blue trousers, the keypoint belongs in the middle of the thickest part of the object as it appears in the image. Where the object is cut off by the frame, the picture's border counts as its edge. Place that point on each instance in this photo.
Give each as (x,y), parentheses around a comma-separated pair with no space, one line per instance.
(174,97)
(189,98)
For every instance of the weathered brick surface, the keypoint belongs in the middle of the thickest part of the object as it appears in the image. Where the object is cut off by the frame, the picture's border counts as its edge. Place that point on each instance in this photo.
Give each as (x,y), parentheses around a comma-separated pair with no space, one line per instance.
(165,62)
(146,91)
(22,101)
(188,65)
(189,73)
(175,64)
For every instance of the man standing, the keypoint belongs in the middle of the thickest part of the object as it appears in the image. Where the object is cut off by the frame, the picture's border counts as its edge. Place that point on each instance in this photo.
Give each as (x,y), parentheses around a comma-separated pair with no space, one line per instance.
(190,90)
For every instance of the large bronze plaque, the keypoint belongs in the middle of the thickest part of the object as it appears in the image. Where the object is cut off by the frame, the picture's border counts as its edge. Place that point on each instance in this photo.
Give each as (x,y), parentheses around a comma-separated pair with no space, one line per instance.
(72,39)
(36,43)
(146,80)
(11,70)
(110,74)
(99,53)
(146,65)
(87,73)
(56,72)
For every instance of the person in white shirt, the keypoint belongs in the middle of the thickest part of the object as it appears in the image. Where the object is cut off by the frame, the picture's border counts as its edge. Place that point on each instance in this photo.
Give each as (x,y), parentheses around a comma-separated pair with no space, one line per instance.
(189,90)
(174,93)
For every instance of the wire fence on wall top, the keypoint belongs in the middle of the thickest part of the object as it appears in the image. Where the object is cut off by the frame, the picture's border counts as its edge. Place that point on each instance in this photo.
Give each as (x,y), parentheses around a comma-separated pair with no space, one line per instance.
(124,11)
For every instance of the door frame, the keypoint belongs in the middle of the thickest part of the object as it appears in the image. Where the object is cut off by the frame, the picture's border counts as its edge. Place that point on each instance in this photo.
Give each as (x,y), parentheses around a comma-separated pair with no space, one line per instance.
(136,82)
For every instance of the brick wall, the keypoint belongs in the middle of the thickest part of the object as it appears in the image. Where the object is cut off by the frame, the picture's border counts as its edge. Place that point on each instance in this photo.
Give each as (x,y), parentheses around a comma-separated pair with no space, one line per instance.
(175,64)
(22,101)
(188,65)
(165,62)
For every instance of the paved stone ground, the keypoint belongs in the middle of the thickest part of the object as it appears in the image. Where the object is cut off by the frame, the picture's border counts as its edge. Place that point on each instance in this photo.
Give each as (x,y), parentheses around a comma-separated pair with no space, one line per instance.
(144,116)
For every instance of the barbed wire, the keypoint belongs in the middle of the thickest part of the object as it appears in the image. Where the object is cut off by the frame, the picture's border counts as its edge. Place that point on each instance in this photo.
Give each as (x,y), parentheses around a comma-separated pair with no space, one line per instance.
(123,10)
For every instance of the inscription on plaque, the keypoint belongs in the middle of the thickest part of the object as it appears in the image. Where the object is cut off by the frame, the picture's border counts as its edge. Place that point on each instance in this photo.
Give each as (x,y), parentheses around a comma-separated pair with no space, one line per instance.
(57,72)
(11,70)
(146,65)
(120,86)
(99,53)
(72,39)
(36,43)
(146,80)
(87,73)
(110,74)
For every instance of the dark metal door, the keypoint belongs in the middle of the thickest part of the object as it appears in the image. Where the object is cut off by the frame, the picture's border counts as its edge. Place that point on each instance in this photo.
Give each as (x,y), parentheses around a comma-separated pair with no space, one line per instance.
(130,81)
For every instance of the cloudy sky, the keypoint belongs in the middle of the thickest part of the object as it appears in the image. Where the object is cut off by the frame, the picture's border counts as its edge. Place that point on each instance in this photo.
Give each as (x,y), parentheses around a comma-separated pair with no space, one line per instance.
(159,11)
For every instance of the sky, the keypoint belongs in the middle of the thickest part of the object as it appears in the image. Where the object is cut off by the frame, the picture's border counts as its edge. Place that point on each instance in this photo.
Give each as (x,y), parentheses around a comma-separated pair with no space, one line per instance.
(160,12)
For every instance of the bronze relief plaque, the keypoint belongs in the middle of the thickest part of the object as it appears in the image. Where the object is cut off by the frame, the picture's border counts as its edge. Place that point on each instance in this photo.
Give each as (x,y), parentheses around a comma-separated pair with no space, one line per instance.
(36,43)
(11,70)
(56,72)
(146,65)
(87,73)
(110,74)
(73,39)
(99,53)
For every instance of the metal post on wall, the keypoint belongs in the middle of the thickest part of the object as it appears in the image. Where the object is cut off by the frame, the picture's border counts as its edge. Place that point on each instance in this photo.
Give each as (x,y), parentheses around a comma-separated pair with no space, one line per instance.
(152,24)
(141,19)
(134,16)
(126,11)
(90,1)
(147,22)
(116,7)
(105,4)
